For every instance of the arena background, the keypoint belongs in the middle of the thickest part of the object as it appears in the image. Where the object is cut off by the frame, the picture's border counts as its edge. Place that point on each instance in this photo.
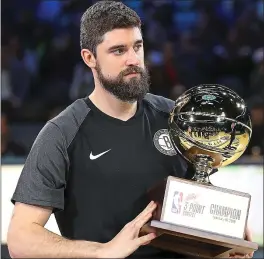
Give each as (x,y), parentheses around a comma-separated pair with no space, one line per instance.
(187,42)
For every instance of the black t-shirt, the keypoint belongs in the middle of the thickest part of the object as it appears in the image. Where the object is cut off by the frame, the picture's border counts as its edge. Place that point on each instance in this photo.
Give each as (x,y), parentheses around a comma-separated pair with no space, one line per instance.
(95,170)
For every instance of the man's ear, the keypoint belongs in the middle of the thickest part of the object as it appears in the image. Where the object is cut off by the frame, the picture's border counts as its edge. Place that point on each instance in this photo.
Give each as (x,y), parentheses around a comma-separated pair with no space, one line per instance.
(88,58)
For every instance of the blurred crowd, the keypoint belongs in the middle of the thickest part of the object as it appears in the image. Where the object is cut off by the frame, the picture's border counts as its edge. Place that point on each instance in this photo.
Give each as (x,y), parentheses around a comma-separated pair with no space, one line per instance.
(186,43)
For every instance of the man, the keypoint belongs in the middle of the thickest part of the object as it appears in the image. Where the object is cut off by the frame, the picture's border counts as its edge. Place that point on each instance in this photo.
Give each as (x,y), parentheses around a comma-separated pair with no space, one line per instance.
(93,163)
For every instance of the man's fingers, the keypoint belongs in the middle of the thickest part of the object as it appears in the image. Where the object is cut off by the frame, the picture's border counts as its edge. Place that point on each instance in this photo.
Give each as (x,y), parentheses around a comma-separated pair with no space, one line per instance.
(142,221)
(146,229)
(145,239)
(248,236)
(150,208)
(146,243)
(237,255)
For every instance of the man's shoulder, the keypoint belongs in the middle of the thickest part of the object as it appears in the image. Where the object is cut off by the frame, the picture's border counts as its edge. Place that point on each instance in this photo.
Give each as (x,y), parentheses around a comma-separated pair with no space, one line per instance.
(159,103)
(71,118)
(75,113)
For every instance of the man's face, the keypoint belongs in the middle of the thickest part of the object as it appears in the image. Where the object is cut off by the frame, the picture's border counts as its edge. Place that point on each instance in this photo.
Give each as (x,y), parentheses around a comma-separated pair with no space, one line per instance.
(120,64)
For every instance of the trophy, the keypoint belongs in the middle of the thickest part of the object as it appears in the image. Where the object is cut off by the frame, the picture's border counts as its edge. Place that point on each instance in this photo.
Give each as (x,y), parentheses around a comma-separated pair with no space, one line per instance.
(210,128)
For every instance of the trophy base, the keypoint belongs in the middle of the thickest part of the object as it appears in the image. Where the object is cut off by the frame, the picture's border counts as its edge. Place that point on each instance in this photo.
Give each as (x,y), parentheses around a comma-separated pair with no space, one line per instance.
(196,243)
(199,220)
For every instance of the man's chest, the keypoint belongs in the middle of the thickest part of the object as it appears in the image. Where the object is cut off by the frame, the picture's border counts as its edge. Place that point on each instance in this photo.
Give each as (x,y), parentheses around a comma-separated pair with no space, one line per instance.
(136,154)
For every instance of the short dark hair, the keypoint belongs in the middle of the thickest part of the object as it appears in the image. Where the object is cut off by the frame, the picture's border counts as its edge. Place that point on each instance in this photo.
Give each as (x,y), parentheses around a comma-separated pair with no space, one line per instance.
(102,17)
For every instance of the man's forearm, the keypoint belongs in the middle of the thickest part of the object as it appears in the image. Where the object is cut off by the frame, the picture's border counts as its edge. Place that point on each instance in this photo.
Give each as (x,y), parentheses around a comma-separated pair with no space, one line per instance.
(38,242)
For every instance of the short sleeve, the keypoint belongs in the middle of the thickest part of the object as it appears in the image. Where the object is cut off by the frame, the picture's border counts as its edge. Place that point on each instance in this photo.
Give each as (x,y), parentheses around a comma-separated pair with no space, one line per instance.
(43,177)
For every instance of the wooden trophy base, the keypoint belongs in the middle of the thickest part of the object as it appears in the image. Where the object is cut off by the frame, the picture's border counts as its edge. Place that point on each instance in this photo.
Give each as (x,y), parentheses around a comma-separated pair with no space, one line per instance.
(199,220)
(196,243)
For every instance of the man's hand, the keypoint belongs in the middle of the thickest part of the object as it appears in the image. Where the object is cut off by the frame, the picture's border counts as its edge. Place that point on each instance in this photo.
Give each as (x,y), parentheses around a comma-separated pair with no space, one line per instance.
(248,237)
(127,240)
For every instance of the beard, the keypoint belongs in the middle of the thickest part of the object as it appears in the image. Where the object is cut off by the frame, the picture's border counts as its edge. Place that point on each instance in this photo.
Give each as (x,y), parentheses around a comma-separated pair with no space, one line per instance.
(134,89)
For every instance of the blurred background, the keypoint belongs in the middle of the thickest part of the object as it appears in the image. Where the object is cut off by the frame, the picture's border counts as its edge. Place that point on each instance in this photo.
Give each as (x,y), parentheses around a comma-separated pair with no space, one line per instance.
(187,42)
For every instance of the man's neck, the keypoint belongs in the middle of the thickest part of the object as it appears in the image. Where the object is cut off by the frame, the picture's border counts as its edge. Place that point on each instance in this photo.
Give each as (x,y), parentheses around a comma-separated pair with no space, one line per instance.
(110,105)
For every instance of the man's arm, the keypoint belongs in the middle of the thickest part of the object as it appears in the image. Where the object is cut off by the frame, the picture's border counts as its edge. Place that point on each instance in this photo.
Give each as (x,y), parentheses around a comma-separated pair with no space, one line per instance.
(27,237)
(39,192)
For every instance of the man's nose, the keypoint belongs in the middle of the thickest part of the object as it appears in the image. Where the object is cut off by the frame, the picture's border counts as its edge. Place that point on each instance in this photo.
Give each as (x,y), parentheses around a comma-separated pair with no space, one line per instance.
(132,59)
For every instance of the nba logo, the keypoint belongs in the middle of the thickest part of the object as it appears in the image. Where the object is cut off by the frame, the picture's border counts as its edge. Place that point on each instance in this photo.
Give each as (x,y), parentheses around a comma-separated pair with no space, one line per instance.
(177,202)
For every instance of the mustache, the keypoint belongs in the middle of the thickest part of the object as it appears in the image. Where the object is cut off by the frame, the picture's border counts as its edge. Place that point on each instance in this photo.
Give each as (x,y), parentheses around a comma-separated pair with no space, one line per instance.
(131,70)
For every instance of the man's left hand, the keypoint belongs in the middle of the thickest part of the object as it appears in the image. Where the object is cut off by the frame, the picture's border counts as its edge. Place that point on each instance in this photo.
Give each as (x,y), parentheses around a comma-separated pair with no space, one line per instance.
(248,237)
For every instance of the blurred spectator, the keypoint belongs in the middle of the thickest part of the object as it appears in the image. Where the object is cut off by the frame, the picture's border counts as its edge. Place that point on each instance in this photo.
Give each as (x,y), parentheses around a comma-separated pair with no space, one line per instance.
(163,69)
(256,144)
(82,82)
(56,70)
(233,62)
(154,31)
(19,73)
(209,29)
(7,95)
(257,75)
(186,43)
(191,65)
(8,146)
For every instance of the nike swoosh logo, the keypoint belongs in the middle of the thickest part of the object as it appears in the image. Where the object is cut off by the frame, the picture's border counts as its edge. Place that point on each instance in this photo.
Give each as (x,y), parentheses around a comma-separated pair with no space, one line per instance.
(92,157)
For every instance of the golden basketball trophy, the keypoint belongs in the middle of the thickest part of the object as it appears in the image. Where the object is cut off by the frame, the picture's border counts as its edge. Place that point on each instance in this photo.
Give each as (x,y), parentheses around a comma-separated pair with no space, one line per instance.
(210,127)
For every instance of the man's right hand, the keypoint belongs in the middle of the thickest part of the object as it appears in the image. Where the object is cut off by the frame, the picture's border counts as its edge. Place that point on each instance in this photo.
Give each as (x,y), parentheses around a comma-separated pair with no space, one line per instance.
(127,240)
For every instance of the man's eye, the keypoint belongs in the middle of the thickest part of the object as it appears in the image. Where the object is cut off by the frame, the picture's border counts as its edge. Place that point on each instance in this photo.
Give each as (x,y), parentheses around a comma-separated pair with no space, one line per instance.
(118,51)
(138,47)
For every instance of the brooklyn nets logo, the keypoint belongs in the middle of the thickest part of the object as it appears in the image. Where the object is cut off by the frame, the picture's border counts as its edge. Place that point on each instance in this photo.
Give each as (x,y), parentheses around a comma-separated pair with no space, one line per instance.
(163,143)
